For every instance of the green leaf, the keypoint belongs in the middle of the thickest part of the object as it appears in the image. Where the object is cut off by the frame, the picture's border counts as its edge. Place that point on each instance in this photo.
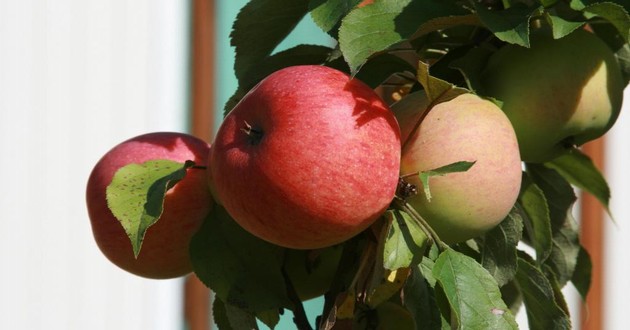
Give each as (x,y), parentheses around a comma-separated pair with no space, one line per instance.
(136,195)
(370,29)
(219,315)
(234,263)
(581,278)
(560,199)
(461,166)
(615,13)
(471,65)
(259,27)
(564,20)
(579,170)
(498,253)
(327,14)
(510,25)
(472,292)
(405,243)
(239,318)
(543,312)
(537,220)
(381,67)
(419,298)
(270,318)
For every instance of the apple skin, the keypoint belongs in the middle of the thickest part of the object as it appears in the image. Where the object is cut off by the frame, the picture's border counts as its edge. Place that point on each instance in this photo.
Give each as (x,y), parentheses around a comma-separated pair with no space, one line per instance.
(466,128)
(164,253)
(312,271)
(558,93)
(319,164)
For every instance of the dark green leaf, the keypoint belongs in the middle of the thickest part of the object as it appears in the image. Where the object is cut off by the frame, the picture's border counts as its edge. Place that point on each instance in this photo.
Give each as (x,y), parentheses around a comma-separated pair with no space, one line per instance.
(379,68)
(405,243)
(461,166)
(234,263)
(368,30)
(419,298)
(583,271)
(219,315)
(472,292)
(270,318)
(259,27)
(136,195)
(512,296)
(510,25)
(498,253)
(239,318)
(560,199)
(327,14)
(537,220)
(543,312)
(613,12)
(471,65)
(563,20)
(579,170)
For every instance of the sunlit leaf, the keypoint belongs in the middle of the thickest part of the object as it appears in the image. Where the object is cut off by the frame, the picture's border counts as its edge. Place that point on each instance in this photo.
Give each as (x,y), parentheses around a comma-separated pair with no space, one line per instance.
(136,195)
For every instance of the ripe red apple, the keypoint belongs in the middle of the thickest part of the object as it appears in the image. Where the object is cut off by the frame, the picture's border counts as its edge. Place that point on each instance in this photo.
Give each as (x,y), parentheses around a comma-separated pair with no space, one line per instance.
(307,159)
(558,93)
(463,205)
(164,252)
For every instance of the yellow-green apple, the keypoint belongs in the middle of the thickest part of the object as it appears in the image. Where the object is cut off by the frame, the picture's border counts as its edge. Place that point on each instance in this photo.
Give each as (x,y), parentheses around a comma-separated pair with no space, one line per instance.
(558,93)
(463,205)
(312,271)
(164,252)
(307,159)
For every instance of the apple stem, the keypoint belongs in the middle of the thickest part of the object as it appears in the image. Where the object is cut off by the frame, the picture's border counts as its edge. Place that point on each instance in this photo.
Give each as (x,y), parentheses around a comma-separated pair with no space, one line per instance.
(300,319)
(423,224)
(254,134)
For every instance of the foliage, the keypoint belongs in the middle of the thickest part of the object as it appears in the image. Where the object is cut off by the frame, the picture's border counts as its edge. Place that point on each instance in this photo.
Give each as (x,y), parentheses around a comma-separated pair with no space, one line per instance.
(398,46)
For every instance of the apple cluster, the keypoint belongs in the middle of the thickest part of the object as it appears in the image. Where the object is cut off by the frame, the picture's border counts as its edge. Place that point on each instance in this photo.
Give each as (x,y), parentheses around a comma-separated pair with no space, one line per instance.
(311,157)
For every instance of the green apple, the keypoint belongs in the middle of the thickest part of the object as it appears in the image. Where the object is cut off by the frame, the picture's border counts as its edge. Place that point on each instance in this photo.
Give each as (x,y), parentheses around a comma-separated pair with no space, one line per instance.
(558,93)
(463,205)
(307,159)
(164,251)
(312,271)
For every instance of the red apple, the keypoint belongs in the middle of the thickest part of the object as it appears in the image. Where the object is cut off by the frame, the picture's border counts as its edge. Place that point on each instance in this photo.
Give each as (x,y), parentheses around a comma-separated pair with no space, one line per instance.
(465,128)
(164,252)
(307,159)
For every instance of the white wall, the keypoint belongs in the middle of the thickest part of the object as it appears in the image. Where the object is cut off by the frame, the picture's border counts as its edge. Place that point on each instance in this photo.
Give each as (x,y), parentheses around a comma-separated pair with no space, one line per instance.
(617,243)
(77,77)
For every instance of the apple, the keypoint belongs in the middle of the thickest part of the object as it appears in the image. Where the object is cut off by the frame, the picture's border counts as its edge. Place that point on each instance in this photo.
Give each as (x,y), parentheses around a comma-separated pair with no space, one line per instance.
(164,252)
(307,159)
(558,93)
(312,271)
(463,205)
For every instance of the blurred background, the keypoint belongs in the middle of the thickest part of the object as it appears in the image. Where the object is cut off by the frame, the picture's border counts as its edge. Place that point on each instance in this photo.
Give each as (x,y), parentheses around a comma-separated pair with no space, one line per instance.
(78,77)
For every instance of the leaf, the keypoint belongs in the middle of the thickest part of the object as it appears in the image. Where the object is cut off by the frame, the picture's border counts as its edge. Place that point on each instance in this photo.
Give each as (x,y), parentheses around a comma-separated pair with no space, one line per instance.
(405,243)
(564,20)
(461,166)
(510,25)
(498,253)
(390,284)
(136,195)
(560,199)
(537,220)
(615,13)
(233,263)
(259,27)
(381,67)
(270,318)
(239,318)
(581,278)
(543,312)
(437,90)
(472,293)
(471,65)
(419,298)
(370,29)
(327,14)
(579,170)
